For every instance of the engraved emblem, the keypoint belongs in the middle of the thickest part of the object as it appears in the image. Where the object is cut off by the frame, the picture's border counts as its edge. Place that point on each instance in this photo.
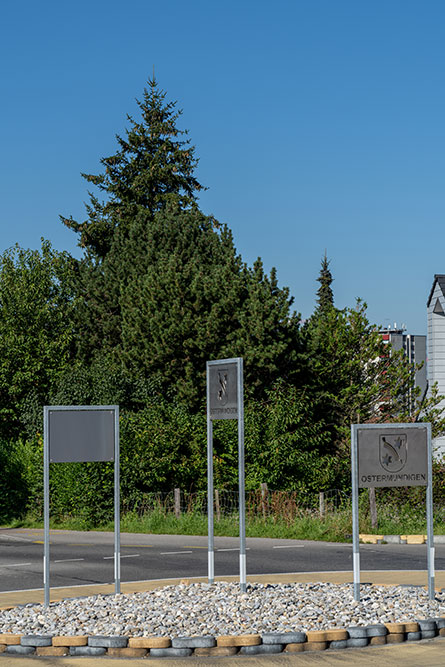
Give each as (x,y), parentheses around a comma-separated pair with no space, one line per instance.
(223,380)
(393,452)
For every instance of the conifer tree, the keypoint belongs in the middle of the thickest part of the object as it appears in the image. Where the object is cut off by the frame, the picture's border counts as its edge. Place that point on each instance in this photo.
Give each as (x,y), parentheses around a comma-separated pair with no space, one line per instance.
(154,163)
(268,337)
(325,295)
(153,166)
(161,287)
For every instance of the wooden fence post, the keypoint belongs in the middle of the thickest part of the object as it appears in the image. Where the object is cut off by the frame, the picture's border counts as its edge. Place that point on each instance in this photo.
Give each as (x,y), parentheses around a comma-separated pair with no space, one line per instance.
(264,499)
(217,506)
(372,507)
(177,503)
(321,504)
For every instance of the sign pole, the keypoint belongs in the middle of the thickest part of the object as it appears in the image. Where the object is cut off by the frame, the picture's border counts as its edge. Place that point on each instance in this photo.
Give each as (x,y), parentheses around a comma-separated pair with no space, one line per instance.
(117,518)
(210,530)
(241,482)
(355,518)
(225,401)
(46,507)
(78,433)
(391,455)
(429,518)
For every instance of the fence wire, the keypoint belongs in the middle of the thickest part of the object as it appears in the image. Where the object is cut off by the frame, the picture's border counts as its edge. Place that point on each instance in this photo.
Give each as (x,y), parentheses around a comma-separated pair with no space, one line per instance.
(259,503)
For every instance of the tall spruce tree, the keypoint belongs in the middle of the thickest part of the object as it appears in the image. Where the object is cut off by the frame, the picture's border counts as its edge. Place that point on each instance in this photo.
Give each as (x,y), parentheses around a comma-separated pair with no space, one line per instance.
(268,335)
(161,287)
(153,164)
(325,295)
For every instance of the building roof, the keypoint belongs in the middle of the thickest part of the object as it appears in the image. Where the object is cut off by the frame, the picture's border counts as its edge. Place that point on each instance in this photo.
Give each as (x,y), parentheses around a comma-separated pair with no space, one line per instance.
(438,278)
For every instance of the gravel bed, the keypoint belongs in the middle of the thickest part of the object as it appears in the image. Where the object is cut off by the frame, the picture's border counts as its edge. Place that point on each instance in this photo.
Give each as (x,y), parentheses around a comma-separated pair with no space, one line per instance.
(221,609)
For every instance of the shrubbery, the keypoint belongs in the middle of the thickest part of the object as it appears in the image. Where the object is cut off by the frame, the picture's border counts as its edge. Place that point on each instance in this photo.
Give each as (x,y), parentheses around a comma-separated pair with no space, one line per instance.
(164,446)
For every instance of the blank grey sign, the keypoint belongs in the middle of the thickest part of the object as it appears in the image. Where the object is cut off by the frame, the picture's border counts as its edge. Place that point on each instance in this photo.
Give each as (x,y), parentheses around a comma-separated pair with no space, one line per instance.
(80,435)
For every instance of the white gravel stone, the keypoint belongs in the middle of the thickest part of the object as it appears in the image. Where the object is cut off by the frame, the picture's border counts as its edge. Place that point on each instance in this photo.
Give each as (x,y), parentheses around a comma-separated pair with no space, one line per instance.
(220,609)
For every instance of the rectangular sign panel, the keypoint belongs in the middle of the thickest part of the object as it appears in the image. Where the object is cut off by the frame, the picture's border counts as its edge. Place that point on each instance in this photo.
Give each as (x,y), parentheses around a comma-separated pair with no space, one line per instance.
(80,435)
(392,456)
(223,390)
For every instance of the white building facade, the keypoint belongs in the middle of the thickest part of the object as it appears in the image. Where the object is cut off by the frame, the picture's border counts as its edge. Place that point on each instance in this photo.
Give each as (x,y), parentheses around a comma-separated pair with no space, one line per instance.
(436,346)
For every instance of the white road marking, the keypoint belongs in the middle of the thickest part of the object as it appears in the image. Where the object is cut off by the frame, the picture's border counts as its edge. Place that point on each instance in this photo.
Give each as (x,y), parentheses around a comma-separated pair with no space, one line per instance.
(122,556)
(168,553)
(15,538)
(289,546)
(68,560)
(130,555)
(234,549)
(16,565)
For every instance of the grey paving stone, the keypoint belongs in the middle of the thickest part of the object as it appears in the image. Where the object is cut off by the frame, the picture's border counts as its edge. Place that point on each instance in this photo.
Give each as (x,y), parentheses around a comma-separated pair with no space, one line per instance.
(205,641)
(339,643)
(20,650)
(413,636)
(440,622)
(36,640)
(283,637)
(427,624)
(108,642)
(378,630)
(428,634)
(170,652)
(357,642)
(357,632)
(261,649)
(87,650)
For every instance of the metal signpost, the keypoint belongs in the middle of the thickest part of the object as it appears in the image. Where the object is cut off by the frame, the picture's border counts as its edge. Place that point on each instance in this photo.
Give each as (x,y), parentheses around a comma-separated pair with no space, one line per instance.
(225,401)
(391,455)
(80,433)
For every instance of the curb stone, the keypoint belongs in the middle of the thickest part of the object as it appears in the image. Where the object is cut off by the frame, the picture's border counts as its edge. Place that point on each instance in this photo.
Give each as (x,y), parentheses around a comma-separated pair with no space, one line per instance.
(36,640)
(108,642)
(377,641)
(87,650)
(378,630)
(357,642)
(54,651)
(206,641)
(171,652)
(216,651)
(261,649)
(283,637)
(20,650)
(149,642)
(224,645)
(358,632)
(294,648)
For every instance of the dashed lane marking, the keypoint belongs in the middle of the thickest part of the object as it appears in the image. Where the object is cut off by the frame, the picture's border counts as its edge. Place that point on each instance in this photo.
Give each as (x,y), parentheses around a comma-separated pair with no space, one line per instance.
(289,546)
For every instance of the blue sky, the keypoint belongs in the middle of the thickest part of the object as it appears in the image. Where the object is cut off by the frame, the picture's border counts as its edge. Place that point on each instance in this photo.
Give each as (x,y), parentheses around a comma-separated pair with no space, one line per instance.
(319,124)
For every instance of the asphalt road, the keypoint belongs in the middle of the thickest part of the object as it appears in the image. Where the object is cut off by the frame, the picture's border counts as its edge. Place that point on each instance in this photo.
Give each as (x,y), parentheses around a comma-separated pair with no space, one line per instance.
(78,558)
